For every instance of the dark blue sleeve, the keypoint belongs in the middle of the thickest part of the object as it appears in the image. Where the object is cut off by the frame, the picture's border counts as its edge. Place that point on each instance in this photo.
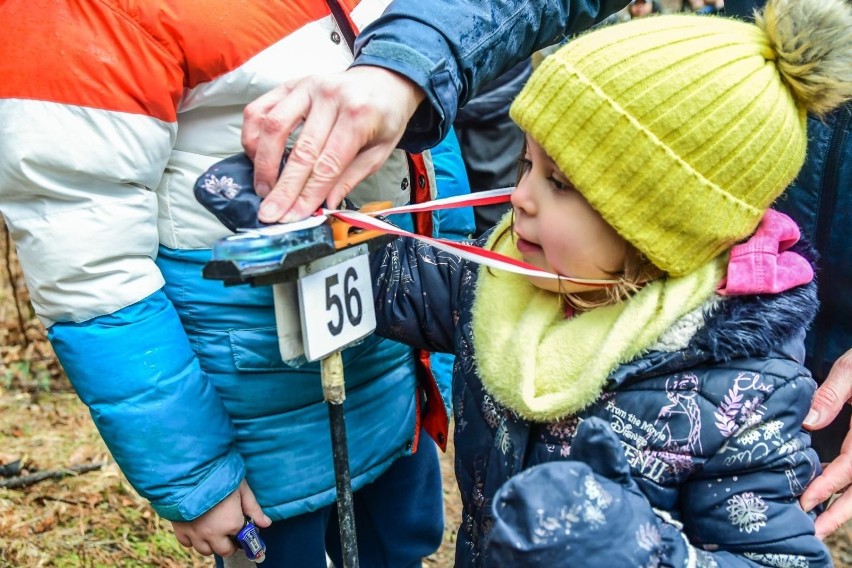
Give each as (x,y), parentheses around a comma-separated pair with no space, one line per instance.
(416,288)
(743,504)
(450,48)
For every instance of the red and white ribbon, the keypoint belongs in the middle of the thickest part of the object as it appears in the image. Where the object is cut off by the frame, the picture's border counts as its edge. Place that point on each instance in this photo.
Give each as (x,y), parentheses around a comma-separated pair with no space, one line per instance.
(491,197)
(468,252)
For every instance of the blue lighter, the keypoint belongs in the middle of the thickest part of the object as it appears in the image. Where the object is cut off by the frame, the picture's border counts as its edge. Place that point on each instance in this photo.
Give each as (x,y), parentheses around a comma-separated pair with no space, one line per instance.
(253,545)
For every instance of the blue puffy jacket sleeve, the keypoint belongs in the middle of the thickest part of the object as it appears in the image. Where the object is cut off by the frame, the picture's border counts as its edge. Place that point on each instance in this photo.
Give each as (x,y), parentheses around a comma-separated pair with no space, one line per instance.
(135,371)
(450,48)
(416,289)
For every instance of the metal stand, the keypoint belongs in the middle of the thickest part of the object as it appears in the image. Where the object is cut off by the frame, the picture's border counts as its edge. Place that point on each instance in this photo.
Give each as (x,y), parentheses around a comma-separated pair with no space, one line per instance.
(334,393)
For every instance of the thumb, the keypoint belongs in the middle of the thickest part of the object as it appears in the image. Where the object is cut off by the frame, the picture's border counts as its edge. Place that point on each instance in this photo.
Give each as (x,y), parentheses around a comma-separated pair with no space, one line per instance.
(596,445)
(832,394)
(251,508)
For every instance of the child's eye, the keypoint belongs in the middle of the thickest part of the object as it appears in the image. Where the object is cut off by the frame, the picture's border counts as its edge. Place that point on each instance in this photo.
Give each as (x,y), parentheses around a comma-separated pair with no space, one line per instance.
(524,167)
(560,186)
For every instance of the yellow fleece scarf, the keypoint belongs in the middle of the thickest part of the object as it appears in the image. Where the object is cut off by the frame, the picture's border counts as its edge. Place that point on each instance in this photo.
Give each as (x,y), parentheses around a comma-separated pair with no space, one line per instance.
(545,367)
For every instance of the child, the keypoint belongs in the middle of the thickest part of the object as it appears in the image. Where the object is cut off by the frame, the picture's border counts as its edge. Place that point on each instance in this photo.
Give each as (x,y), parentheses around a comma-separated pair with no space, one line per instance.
(656,421)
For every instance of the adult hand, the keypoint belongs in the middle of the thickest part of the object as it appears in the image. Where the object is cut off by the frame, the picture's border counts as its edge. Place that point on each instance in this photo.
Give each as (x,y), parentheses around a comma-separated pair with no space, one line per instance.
(211,532)
(837,476)
(352,122)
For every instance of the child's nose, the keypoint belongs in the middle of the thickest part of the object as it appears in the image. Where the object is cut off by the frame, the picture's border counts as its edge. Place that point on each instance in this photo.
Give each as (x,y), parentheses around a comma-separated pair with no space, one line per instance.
(522,198)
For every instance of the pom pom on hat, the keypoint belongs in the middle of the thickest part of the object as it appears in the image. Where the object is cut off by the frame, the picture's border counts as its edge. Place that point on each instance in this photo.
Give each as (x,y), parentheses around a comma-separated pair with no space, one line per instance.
(682,130)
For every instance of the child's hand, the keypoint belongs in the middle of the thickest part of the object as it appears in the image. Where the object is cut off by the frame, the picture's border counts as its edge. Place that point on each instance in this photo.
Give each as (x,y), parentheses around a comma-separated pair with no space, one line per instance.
(212,532)
(581,513)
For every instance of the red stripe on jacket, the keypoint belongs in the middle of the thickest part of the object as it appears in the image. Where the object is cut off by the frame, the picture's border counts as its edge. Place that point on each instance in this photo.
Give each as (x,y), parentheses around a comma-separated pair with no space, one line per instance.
(136,56)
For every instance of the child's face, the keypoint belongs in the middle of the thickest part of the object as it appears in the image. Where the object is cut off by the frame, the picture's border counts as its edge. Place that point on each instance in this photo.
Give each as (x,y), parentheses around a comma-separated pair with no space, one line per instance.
(557,230)
(640,8)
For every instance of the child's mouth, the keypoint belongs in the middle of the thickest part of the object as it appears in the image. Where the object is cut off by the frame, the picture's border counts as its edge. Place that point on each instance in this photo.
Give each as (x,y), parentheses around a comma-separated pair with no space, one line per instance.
(526,247)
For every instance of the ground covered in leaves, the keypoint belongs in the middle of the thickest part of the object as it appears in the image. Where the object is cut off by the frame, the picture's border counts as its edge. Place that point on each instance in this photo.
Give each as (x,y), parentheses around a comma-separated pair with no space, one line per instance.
(84,513)
(91,519)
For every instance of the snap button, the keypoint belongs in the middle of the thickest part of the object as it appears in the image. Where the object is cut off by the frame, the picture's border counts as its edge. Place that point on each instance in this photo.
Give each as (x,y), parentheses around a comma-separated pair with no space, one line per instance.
(422,181)
(404,184)
(335,37)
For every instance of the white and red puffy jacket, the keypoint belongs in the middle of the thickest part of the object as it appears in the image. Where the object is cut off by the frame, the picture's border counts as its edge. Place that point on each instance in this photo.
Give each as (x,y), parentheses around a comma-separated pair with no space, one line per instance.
(109,111)
(108,117)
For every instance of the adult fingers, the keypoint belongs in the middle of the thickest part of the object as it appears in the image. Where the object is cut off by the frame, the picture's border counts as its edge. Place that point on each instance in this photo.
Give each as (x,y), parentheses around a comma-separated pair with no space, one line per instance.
(313,165)
(832,394)
(254,114)
(835,516)
(273,130)
(381,118)
(835,477)
(316,189)
(350,113)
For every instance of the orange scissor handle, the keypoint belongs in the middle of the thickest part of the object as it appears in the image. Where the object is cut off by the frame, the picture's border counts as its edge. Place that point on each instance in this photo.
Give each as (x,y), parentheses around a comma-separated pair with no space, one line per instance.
(345,235)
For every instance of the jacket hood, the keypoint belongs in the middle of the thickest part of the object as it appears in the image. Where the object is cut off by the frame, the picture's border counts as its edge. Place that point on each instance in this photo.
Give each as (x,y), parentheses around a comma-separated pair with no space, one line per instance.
(741,326)
(754,325)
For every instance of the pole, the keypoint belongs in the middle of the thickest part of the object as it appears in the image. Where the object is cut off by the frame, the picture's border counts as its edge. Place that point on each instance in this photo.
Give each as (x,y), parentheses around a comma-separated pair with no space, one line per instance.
(334,392)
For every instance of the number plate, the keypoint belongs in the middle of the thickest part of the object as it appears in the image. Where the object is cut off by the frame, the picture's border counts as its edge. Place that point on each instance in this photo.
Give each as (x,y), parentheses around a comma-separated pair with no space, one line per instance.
(336,302)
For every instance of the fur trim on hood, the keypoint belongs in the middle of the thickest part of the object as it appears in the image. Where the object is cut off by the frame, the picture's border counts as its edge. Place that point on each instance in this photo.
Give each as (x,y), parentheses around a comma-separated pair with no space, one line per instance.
(753,325)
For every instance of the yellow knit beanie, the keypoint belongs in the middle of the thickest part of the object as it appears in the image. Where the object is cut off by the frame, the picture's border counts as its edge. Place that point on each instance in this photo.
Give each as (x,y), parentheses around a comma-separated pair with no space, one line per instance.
(681,130)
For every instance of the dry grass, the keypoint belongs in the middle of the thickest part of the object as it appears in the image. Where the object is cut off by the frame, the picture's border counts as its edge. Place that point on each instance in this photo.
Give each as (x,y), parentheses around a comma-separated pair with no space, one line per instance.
(93,519)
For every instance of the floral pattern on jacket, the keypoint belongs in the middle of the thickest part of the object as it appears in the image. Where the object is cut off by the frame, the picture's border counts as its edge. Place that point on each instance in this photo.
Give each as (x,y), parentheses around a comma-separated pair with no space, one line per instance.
(711,431)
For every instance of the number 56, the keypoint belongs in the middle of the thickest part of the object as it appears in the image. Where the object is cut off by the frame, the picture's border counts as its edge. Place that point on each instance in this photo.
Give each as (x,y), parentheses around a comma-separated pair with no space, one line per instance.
(350,305)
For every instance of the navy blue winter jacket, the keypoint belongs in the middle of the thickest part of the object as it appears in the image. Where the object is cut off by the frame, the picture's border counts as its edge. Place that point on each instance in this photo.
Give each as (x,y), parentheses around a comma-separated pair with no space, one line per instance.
(820,201)
(463,45)
(712,432)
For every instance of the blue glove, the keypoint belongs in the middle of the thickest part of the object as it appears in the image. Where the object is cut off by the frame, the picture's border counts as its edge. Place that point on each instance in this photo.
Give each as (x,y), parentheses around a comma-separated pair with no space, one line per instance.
(584,512)
(227,191)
